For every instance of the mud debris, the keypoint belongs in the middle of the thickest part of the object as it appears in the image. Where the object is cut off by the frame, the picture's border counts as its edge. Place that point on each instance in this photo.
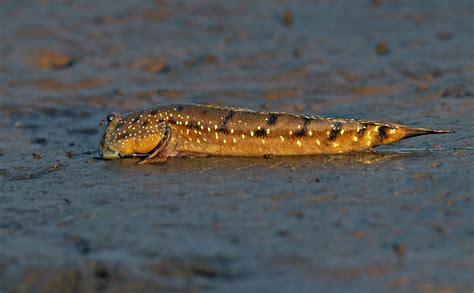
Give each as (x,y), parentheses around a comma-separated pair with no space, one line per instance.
(49,59)
(37,156)
(382,48)
(194,266)
(39,140)
(151,65)
(287,18)
(399,250)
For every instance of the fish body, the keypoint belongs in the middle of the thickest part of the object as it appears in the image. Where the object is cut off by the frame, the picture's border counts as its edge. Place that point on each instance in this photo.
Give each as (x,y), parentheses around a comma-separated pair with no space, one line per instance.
(160,132)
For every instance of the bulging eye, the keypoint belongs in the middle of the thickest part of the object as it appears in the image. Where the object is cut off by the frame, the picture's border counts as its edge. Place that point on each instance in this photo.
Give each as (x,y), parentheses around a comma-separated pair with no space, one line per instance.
(110,117)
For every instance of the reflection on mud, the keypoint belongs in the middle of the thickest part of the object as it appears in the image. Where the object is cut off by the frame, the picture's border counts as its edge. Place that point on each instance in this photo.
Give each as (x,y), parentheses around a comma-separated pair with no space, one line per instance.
(232,164)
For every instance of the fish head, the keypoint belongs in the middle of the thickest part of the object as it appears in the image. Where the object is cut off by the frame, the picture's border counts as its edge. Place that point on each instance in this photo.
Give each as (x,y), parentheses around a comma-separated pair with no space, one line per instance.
(129,136)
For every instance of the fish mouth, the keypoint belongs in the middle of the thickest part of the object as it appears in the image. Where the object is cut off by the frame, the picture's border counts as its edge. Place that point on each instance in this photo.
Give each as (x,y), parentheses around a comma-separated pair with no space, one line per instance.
(109,155)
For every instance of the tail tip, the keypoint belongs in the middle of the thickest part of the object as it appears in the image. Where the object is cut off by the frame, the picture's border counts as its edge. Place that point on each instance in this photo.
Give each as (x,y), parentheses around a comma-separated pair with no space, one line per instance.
(411,132)
(441,131)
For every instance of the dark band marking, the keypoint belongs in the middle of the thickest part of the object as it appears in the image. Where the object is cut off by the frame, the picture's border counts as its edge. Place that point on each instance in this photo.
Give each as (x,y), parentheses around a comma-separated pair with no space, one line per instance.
(260,133)
(272,119)
(223,130)
(192,125)
(302,132)
(205,111)
(153,112)
(223,127)
(179,108)
(171,121)
(336,129)
(383,132)
(228,117)
(145,123)
(267,156)
(362,130)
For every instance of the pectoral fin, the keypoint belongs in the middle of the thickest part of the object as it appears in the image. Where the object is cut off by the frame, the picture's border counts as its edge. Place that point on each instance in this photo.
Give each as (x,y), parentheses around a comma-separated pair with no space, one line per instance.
(161,152)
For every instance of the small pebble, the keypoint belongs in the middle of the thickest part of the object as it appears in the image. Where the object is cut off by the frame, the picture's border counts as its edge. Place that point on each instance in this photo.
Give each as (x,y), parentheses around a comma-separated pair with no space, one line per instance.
(151,65)
(55,165)
(399,250)
(382,48)
(287,18)
(71,155)
(37,156)
(48,59)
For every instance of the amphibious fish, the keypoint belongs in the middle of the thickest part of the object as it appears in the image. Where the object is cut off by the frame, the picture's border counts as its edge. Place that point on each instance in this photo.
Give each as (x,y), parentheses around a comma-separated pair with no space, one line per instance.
(163,131)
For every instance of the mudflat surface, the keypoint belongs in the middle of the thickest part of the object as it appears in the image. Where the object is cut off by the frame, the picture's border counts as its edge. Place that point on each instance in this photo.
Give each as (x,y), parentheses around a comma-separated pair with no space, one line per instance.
(397,219)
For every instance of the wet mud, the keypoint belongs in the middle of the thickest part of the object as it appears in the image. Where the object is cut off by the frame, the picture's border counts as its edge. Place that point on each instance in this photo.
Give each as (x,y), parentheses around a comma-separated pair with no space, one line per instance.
(399,219)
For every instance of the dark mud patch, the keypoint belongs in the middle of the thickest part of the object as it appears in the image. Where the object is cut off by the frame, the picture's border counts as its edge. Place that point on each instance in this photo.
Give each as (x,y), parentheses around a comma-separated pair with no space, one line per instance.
(39,140)
(81,244)
(458,91)
(27,173)
(92,277)
(195,267)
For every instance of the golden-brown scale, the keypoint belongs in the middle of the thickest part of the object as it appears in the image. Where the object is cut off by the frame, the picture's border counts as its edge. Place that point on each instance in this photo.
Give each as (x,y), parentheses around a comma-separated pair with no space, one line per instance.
(163,131)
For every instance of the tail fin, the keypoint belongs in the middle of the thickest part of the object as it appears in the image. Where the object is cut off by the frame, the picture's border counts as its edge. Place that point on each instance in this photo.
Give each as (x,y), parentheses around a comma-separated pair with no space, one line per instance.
(390,133)
(412,132)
